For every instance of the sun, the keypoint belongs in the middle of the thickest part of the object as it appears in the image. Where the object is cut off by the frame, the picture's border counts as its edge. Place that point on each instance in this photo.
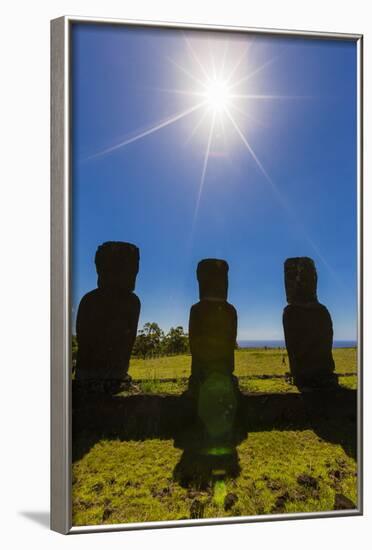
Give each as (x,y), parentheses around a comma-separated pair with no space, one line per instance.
(216,86)
(217,95)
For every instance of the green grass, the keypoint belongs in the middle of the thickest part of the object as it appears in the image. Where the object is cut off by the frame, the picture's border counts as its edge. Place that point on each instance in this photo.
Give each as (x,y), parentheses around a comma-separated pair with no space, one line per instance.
(132,481)
(148,373)
(248,362)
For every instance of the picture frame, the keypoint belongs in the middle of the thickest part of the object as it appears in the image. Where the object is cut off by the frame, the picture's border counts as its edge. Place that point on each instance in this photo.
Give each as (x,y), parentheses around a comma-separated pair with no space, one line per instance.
(62,248)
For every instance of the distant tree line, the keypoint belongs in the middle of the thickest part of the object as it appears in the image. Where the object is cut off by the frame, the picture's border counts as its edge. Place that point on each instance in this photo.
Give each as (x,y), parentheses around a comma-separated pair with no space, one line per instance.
(152,341)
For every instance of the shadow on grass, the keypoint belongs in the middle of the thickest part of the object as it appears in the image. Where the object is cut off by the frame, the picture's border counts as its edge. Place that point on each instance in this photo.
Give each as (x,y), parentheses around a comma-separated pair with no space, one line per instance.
(330,414)
(205,461)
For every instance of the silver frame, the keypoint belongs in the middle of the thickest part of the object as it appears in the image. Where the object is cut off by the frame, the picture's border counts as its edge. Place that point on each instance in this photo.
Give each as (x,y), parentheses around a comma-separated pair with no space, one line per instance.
(61,508)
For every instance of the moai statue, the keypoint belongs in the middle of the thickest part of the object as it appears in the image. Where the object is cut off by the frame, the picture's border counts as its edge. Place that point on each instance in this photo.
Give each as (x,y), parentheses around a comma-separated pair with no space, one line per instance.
(107,319)
(308,327)
(212,325)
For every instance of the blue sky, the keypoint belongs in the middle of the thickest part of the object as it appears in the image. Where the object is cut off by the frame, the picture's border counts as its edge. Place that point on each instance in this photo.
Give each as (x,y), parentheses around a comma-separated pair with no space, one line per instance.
(294,196)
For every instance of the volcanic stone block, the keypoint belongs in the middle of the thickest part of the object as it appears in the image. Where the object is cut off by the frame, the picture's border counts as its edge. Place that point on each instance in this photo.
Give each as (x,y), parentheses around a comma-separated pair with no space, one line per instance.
(107,318)
(307,326)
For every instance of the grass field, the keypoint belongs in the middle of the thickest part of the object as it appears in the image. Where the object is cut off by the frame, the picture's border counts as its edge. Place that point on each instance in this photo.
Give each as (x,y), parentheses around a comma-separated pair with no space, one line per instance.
(170,374)
(281,469)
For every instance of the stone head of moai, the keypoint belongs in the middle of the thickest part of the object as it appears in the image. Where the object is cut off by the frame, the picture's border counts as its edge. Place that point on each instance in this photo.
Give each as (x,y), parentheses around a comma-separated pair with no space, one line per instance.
(300,280)
(117,265)
(212,275)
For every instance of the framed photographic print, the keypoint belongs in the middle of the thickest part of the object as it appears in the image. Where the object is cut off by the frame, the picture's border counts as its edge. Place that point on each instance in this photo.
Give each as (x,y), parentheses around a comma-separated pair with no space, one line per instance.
(206,274)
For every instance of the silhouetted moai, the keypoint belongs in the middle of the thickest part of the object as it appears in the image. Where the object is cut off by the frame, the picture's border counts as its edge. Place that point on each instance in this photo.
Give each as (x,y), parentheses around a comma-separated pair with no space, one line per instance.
(213,323)
(307,326)
(210,444)
(107,319)
(212,336)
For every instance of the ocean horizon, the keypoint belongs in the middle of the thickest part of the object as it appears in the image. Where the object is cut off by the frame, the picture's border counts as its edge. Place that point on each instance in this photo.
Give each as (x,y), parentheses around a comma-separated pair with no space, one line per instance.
(281,343)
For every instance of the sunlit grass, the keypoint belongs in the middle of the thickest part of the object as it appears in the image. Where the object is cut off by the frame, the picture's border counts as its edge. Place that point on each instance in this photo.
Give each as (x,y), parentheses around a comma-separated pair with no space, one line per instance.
(249,364)
(132,481)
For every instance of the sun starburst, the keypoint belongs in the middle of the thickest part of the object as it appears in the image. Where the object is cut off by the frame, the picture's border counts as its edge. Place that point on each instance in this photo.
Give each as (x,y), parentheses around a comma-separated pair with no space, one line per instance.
(219,88)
